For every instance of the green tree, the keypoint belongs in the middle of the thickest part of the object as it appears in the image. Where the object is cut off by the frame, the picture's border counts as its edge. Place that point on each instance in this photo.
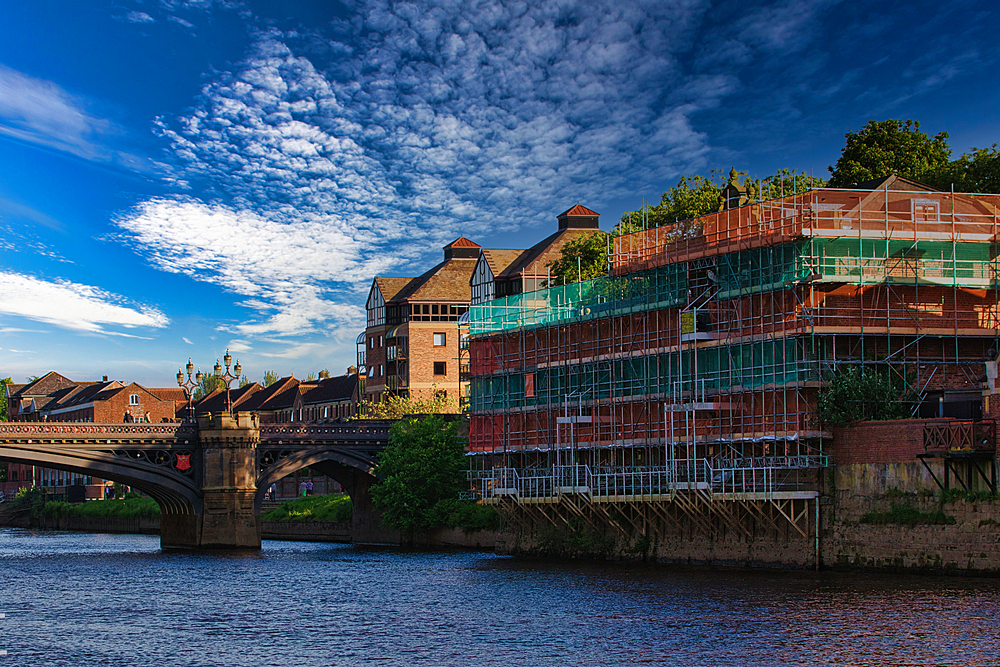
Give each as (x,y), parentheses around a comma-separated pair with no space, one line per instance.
(856,393)
(882,148)
(3,417)
(788,182)
(692,197)
(587,255)
(420,473)
(3,398)
(978,171)
(397,407)
(209,383)
(244,381)
(270,377)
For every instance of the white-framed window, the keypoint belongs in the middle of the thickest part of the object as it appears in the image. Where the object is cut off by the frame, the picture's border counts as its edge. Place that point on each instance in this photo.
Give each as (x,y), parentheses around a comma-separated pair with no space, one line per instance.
(440,339)
(926,210)
(133,399)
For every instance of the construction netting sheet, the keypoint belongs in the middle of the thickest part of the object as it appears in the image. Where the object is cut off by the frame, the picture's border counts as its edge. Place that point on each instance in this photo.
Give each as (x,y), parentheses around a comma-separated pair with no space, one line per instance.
(688,374)
(663,287)
(857,261)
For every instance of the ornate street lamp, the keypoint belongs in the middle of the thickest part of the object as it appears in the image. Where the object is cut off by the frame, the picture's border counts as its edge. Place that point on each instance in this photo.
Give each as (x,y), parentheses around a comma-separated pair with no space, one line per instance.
(227,377)
(189,385)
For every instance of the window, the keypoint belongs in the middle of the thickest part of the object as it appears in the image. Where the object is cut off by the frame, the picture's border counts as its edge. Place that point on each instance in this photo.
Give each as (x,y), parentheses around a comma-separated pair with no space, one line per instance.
(925,210)
(133,399)
(440,368)
(440,340)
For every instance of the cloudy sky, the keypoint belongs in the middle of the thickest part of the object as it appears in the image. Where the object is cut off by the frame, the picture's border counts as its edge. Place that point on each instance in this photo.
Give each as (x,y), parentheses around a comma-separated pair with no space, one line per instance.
(182,176)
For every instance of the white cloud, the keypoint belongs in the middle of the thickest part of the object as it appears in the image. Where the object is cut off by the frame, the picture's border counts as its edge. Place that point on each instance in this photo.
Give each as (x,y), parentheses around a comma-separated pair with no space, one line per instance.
(423,123)
(40,112)
(139,17)
(73,306)
(284,270)
(186,340)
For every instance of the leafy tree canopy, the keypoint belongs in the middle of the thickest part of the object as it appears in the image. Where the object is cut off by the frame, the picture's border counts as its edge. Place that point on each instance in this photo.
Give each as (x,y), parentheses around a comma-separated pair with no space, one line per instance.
(695,196)
(420,472)
(3,398)
(978,171)
(856,393)
(270,377)
(583,258)
(209,383)
(882,148)
(397,407)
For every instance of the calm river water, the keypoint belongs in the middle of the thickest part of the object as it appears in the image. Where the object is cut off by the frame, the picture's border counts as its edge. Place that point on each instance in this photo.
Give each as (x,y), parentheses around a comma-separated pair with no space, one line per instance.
(77,599)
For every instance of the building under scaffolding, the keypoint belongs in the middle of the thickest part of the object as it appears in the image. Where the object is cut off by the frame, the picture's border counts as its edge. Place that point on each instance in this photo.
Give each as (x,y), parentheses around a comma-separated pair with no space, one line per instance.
(681,388)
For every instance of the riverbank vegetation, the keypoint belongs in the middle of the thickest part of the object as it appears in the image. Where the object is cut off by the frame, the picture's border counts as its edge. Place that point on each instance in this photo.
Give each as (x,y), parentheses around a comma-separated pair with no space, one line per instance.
(34,503)
(422,473)
(906,515)
(334,507)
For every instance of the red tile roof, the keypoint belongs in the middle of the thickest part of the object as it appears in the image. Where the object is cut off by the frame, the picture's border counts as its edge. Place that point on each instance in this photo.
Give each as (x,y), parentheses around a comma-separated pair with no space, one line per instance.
(578,210)
(462,242)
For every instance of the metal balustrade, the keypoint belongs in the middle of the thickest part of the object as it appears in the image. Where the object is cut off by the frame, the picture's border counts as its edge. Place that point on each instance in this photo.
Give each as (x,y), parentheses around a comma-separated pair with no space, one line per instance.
(759,475)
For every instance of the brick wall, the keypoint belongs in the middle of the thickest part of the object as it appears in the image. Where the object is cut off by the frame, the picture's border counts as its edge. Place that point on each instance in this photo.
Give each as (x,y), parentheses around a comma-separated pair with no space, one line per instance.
(878,442)
(423,354)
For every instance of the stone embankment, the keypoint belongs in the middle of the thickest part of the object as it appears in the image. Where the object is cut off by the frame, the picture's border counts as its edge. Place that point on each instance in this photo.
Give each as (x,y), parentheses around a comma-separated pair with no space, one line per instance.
(970,545)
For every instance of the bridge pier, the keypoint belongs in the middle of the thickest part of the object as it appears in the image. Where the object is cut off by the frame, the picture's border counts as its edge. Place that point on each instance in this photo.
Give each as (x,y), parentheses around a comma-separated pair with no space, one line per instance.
(229,474)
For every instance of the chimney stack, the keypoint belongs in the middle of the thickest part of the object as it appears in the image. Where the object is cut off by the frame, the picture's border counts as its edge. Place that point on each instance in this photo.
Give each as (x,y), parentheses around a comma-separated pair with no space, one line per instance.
(105,378)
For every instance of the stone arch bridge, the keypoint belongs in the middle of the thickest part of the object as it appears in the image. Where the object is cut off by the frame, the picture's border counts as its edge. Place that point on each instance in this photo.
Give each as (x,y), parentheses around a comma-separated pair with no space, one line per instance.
(209,477)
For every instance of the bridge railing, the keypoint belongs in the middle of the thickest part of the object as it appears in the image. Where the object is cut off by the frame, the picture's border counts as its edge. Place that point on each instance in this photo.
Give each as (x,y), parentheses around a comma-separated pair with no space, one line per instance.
(92,429)
(363,429)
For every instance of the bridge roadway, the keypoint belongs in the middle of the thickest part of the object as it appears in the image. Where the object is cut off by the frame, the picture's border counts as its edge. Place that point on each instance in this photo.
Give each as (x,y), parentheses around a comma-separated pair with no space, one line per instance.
(209,478)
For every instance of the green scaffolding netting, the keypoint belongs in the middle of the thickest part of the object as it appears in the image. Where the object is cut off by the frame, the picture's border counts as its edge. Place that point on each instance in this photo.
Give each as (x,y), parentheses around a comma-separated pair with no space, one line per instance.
(856,261)
(678,374)
(663,287)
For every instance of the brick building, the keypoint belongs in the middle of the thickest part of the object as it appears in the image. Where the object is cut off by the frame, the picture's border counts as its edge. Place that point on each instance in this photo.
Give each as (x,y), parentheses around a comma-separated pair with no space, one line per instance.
(506,272)
(411,346)
(56,398)
(688,377)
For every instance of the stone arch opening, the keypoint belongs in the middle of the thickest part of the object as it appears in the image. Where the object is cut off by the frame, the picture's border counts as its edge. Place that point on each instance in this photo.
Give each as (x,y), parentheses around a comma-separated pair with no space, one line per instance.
(353,471)
(174,494)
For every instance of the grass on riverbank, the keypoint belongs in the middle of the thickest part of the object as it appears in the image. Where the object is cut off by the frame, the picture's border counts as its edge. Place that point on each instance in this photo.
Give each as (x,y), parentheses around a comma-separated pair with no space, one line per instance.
(334,507)
(132,506)
(905,515)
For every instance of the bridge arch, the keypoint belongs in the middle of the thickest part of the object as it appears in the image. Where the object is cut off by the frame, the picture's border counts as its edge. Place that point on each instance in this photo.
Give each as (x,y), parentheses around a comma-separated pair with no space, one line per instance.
(342,465)
(173,492)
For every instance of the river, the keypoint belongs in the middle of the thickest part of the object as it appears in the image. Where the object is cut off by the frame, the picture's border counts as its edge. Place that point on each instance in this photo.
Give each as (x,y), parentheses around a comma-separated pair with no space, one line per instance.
(78,599)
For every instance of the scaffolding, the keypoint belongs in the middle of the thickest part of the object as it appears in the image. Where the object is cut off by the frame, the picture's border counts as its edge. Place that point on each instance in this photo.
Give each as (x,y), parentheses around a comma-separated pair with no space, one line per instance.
(688,376)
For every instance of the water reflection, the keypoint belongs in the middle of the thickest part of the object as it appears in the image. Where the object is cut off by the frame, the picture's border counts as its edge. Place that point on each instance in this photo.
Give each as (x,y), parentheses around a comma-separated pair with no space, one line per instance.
(71,599)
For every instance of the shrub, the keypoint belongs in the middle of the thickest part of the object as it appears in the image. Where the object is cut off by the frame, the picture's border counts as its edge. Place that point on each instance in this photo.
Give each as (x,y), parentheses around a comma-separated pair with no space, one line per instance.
(333,507)
(904,515)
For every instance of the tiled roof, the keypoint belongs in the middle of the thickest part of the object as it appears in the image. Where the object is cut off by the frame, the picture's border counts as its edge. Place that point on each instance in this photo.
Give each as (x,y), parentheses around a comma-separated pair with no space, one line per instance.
(391,286)
(462,242)
(47,384)
(448,281)
(255,401)
(579,210)
(535,260)
(499,259)
(86,393)
(168,393)
(339,388)
(216,401)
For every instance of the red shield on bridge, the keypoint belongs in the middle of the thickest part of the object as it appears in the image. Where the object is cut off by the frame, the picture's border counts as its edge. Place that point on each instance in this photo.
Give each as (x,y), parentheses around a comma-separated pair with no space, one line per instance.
(183,462)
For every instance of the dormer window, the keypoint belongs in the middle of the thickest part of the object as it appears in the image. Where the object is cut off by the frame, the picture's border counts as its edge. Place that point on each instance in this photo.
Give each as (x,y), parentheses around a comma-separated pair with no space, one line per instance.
(926,210)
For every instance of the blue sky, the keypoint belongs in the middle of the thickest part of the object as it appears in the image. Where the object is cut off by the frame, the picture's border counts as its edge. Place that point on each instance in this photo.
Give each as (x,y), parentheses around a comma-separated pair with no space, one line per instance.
(182,176)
